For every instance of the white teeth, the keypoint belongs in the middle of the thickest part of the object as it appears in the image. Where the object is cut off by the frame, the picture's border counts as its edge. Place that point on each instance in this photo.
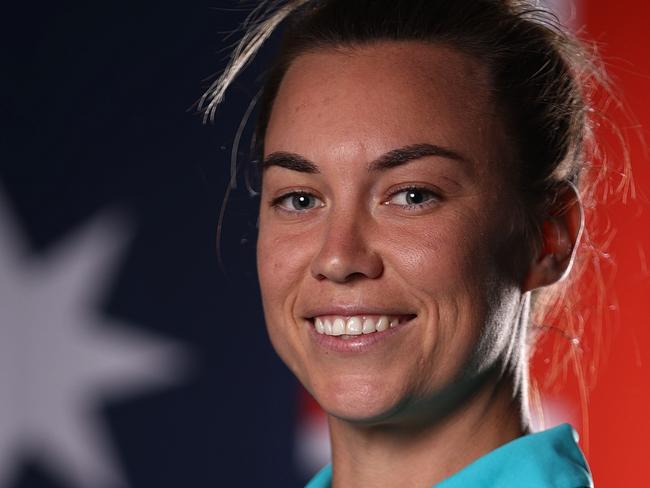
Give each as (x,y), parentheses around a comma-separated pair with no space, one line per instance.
(338,327)
(320,328)
(355,325)
(327,326)
(368,326)
(382,323)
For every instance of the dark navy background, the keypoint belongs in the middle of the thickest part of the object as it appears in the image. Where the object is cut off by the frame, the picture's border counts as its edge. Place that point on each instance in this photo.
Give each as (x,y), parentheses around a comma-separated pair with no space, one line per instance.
(96,114)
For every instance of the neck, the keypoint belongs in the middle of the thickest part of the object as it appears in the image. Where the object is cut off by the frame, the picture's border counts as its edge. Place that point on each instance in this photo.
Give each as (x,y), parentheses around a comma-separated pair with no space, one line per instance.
(423,455)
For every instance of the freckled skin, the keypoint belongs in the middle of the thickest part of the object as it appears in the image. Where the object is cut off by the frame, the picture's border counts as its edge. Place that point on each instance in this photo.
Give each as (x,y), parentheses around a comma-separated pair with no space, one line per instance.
(341,110)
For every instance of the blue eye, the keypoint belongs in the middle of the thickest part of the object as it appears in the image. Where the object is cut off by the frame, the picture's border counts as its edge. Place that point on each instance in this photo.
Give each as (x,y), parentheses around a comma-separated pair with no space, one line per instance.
(297,202)
(412,197)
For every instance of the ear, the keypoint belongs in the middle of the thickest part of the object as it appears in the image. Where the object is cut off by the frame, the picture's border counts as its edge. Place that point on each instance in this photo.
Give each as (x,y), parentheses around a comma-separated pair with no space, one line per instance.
(560,234)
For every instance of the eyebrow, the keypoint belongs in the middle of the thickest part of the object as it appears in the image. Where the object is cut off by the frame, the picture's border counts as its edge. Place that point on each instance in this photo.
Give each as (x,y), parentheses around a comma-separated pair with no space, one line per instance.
(391,159)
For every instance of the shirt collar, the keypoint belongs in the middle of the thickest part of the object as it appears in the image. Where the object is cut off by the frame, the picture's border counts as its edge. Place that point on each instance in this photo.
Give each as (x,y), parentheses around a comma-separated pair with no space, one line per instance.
(548,458)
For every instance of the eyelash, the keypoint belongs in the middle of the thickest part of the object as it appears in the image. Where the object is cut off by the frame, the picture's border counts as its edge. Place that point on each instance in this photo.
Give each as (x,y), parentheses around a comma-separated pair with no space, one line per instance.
(277,202)
(435,198)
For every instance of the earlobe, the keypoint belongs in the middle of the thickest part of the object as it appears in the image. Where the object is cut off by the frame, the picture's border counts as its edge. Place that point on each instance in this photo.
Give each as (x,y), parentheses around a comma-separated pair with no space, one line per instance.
(560,235)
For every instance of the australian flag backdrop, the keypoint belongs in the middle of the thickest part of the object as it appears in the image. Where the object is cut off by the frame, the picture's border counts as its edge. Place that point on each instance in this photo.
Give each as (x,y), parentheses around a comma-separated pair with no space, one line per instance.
(133,352)
(129,356)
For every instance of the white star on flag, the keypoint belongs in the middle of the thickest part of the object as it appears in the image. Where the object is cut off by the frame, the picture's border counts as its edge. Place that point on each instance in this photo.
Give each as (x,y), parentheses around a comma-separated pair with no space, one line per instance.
(61,359)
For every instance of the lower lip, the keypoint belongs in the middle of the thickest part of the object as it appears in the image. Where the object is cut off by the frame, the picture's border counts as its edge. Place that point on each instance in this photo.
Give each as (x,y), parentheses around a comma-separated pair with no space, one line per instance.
(354,343)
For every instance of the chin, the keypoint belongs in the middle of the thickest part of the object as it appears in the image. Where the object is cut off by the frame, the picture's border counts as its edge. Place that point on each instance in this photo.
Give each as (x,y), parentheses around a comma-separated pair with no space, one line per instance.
(359,401)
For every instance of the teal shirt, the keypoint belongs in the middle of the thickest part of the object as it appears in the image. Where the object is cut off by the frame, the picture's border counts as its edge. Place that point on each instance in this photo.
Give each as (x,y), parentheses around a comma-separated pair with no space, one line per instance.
(548,459)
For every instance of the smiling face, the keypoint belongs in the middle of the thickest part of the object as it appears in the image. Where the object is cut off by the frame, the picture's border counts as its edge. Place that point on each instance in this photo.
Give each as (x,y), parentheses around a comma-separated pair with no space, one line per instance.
(386,227)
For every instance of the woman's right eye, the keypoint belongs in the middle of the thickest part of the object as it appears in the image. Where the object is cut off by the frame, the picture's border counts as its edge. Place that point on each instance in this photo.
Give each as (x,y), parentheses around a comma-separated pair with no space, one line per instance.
(297,202)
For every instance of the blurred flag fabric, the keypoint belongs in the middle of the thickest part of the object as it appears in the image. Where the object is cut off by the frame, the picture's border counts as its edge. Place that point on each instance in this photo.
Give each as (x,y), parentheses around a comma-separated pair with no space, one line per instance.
(129,356)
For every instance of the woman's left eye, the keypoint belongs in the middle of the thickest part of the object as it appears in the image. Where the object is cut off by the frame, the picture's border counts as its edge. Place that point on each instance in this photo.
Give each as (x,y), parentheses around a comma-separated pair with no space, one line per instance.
(412,197)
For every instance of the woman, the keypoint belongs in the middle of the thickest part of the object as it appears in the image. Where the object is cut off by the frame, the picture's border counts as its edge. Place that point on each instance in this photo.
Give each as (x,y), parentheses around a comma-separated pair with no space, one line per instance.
(421,167)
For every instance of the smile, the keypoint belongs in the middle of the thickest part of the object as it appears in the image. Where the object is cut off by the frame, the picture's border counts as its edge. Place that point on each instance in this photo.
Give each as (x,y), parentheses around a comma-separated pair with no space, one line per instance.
(340,325)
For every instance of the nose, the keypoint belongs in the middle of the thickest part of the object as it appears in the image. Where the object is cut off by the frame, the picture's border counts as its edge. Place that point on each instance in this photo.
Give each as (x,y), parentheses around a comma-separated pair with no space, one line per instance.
(346,251)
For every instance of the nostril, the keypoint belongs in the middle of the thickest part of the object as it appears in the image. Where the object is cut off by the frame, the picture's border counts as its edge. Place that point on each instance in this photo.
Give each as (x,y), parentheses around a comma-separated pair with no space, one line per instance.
(346,268)
(354,277)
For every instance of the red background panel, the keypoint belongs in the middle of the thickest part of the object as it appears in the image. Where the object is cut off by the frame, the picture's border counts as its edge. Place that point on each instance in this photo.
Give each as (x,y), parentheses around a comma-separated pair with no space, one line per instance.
(619,413)
(613,415)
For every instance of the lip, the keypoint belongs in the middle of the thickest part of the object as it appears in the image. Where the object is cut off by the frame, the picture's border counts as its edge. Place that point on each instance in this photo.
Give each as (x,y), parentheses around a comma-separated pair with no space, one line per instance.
(358,343)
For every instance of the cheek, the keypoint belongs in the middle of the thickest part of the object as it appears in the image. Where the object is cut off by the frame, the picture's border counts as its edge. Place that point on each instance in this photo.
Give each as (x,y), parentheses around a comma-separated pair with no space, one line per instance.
(450,255)
(449,265)
(282,260)
(275,276)
(282,264)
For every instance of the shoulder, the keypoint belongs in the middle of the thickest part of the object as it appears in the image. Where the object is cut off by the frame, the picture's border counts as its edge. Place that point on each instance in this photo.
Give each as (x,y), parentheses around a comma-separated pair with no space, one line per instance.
(547,459)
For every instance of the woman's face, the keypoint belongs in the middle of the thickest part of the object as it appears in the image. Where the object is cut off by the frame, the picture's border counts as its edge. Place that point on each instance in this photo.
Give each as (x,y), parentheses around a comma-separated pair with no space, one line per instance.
(386,227)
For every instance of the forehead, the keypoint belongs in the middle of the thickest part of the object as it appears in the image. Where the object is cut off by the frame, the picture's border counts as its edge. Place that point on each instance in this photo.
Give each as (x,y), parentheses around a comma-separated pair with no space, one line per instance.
(358,102)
